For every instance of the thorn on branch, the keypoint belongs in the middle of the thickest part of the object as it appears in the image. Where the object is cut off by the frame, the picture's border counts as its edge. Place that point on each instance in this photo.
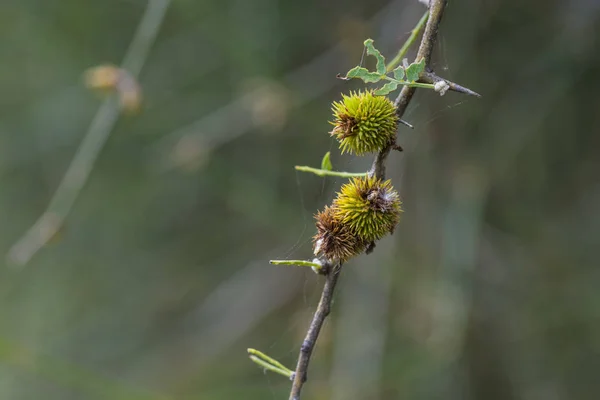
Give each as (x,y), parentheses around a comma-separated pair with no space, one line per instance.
(403,122)
(432,78)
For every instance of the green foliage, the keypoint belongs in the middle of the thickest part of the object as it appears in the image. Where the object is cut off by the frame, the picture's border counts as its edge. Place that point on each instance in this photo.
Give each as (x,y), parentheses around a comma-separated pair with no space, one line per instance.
(324,172)
(269,363)
(399,73)
(414,70)
(364,74)
(411,73)
(386,89)
(316,266)
(372,51)
(326,162)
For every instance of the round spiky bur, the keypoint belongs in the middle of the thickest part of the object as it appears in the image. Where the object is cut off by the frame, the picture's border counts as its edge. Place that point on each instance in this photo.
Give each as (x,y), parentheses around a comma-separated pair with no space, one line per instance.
(334,240)
(369,207)
(364,123)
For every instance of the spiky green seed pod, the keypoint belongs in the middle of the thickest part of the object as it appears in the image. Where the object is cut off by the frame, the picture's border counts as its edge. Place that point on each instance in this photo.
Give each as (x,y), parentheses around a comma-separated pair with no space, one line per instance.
(369,207)
(334,241)
(364,123)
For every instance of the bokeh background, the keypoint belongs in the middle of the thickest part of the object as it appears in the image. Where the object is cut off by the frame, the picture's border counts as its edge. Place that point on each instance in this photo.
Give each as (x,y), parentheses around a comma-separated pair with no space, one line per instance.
(159,280)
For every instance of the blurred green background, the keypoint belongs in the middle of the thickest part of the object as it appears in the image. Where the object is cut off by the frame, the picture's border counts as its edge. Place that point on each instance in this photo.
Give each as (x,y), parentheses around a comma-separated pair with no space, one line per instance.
(160,279)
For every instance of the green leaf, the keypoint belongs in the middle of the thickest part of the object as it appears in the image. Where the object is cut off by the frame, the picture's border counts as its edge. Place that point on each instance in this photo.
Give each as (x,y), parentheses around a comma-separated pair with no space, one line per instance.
(399,73)
(364,74)
(262,356)
(326,162)
(414,70)
(386,89)
(372,51)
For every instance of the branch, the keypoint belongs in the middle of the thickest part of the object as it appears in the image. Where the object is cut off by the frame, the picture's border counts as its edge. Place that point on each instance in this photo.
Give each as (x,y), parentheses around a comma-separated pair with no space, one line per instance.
(314,329)
(436,11)
(83,162)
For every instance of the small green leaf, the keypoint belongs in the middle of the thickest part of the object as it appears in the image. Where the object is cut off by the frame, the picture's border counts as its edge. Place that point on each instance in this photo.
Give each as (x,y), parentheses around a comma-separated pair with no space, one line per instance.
(372,51)
(399,73)
(414,70)
(386,89)
(264,357)
(364,74)
(326,162)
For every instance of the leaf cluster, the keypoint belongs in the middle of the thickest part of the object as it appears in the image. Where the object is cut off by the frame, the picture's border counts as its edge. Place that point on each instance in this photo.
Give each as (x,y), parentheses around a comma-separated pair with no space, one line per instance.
(401,75)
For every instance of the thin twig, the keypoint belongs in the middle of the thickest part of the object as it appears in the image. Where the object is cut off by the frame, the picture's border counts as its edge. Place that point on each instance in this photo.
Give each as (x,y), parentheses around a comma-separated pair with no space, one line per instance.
(436,11)
(314,329)
(100,128)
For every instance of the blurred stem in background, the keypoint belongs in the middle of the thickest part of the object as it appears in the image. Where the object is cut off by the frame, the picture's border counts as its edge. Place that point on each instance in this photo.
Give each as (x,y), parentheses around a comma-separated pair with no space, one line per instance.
(83,162)
(70,375)
(409,42)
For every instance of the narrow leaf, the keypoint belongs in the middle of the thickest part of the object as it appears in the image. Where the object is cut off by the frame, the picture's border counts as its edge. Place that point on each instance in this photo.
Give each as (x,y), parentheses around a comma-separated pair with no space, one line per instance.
(326,162)
(364,74)
(399,73)
(266,358)
(269,367)
(301,263)
(323,172)
(414,70)
(372,51)
(386,89)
